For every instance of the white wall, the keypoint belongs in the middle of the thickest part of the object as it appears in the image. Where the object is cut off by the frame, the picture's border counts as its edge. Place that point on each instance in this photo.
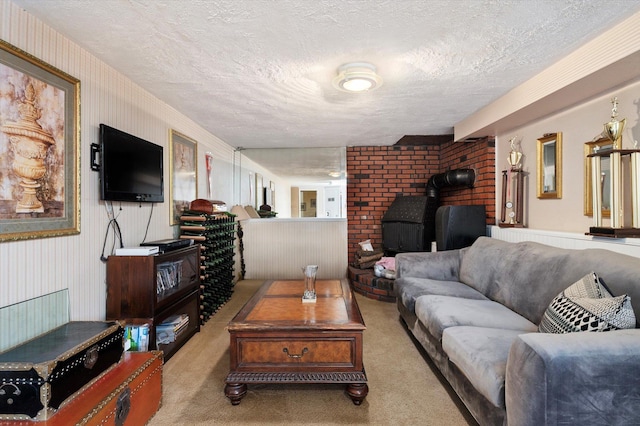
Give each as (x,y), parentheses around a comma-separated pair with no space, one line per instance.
(244,177)
(579,124)
(279,248)
(30,268)
(567,240)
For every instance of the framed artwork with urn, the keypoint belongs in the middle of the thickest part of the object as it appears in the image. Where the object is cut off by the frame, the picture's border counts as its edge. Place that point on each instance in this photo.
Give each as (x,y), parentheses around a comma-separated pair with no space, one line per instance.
(39,148)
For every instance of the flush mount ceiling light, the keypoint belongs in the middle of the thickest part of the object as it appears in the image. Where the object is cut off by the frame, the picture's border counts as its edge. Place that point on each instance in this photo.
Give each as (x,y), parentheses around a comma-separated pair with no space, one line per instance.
(357,77)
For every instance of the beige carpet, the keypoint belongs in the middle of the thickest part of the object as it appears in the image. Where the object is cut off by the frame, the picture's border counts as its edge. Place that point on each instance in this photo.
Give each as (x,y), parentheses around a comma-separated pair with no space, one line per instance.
(403,390)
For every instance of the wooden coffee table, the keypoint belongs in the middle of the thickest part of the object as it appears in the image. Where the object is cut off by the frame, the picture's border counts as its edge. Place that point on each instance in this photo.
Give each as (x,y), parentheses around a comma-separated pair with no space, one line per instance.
(275,338)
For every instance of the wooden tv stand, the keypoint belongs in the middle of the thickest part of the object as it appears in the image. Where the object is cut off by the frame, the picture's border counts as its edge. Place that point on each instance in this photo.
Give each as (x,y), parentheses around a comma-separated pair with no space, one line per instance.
(132,296)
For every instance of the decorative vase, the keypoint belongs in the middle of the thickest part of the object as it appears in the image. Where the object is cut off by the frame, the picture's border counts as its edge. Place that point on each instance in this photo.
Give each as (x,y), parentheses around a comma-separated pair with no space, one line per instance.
(30,144)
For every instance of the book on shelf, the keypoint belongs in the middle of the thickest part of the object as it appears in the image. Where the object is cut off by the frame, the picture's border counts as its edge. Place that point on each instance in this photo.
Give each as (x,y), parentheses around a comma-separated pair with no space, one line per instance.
(171,328)
(174,321)
(169,275)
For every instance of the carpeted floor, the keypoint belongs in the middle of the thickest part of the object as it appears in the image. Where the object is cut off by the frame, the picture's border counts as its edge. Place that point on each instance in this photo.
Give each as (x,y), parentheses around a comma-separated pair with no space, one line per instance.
(403,390)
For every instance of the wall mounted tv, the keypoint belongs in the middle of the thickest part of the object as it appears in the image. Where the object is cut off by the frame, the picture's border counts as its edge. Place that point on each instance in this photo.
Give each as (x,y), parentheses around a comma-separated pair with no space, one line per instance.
(131,169)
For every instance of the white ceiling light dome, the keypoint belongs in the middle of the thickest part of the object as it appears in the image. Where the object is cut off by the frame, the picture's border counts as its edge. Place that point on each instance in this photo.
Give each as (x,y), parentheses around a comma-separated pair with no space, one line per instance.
(357,77)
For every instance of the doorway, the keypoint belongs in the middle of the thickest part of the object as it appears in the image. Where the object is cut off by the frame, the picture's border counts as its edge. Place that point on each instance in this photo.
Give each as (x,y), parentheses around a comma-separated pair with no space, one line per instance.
(332,202)
(308,203)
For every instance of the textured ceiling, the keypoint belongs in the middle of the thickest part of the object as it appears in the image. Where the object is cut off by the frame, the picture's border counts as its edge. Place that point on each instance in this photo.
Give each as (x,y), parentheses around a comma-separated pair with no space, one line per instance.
(258,73)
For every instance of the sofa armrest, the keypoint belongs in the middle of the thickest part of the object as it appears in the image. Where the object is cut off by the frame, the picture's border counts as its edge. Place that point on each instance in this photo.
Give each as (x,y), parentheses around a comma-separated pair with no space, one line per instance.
(440,265)
(574,378)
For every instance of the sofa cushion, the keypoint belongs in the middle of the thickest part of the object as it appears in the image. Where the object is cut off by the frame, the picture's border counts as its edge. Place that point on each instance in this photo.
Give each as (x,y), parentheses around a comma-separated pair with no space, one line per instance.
(440,312)
(588,286)
(587,305)
(526,276)
(438,265)
(409,289)
(481,355)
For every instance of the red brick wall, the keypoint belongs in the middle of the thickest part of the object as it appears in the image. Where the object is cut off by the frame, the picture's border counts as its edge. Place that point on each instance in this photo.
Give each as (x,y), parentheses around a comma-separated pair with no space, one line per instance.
(376,174)
(479,156)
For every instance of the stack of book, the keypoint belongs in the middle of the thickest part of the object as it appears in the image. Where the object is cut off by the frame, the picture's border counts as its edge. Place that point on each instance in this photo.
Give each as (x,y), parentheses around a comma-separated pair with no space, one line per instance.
(170,329)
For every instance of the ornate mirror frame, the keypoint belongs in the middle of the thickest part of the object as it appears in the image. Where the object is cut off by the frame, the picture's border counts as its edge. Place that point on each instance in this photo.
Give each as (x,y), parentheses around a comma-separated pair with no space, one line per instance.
(549,165)
(601,144)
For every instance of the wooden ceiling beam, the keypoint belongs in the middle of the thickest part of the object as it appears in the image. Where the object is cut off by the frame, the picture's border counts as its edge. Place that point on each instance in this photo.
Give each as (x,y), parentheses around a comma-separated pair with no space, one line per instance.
(418,140)
(415,140)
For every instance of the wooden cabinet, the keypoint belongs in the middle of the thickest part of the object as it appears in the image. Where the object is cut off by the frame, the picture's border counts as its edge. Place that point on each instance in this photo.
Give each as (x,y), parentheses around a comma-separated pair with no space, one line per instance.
(150,289)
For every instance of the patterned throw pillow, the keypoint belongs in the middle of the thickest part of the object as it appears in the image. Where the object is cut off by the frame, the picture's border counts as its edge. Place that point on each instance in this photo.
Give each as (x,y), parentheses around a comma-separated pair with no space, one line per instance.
(587,305)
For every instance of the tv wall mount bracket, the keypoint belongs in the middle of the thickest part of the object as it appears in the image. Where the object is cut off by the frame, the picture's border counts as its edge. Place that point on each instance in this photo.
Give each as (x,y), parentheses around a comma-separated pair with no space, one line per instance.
(95,150)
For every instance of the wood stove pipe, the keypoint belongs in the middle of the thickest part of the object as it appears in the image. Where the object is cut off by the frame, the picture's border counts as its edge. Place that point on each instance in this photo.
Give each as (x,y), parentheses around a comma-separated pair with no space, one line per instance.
(458,177)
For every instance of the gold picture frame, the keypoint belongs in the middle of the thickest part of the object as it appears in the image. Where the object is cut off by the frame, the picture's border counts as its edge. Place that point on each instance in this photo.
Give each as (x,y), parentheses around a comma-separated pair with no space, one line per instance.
(549,166)
(602,144)
(183,174)
(39,148)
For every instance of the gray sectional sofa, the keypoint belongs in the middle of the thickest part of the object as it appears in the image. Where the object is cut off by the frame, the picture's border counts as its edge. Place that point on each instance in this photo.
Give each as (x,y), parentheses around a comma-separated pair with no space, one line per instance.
(476,312)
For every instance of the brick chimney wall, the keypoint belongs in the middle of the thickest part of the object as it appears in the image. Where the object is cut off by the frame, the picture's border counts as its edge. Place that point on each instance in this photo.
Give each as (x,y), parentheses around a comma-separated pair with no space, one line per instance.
(376,174)
(480,156)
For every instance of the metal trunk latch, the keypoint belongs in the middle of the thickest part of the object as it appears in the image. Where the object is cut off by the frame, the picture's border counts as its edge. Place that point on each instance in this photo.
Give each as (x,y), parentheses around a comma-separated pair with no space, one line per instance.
(91,357)
(123,406)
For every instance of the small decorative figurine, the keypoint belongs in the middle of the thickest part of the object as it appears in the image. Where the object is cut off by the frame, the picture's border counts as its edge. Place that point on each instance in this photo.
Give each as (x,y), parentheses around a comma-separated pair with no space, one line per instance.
(515,156)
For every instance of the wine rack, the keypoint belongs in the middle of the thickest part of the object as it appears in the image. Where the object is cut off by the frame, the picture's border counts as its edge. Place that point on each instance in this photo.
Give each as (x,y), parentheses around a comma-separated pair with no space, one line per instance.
(216,235)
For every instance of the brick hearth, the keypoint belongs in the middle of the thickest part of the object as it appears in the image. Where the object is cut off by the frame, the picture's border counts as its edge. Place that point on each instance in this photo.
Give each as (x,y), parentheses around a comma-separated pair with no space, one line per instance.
(364,281)
(377,174)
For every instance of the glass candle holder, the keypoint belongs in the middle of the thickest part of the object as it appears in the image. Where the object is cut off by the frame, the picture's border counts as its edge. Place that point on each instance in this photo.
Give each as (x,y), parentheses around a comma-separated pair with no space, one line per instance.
(309,295)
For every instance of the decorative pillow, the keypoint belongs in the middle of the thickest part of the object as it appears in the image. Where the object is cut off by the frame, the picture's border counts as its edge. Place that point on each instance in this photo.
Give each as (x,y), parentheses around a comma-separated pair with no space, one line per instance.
(587,305)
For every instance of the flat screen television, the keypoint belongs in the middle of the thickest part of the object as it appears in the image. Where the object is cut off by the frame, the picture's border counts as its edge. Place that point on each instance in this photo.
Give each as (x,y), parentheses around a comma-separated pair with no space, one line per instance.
(131,169)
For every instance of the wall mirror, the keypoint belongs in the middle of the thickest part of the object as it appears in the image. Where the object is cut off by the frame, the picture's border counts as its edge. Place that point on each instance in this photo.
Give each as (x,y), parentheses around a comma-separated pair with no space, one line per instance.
(549,165)
(600,145)
(303,171)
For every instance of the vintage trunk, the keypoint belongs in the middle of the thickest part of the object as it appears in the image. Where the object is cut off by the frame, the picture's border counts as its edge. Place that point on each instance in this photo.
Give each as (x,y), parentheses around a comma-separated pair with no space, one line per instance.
(127,395)
(38,376)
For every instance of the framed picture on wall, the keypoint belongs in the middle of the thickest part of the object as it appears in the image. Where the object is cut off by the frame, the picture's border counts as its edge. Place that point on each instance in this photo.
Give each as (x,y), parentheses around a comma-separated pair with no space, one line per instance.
(183,173)
(252,189)
(549,165)
(272,191)
(208,161)
(39,151)
(259,191)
